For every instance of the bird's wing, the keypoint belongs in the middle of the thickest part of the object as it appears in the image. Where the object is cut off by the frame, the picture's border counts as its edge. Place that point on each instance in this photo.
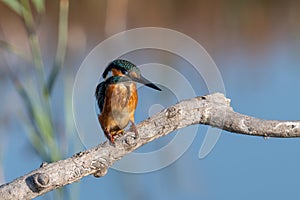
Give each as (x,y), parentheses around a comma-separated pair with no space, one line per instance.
(100,94)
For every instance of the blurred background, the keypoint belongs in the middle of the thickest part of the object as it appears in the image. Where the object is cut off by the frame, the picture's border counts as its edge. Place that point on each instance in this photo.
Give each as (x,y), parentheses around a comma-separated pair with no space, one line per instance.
(255,44)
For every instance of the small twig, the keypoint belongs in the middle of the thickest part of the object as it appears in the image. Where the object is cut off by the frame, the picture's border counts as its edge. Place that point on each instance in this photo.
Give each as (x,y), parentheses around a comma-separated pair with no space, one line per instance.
(213,110)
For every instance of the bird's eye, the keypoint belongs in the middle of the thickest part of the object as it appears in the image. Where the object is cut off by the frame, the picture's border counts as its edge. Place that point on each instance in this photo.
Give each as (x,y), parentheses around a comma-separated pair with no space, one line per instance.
(125,72)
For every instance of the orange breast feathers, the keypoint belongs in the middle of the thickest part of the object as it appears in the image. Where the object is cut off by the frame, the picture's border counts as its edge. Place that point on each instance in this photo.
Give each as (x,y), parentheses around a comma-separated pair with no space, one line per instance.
(119,106)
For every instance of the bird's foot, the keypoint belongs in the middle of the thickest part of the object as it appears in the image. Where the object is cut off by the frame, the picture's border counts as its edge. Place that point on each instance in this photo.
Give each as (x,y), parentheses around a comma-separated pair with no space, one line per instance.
(110,137)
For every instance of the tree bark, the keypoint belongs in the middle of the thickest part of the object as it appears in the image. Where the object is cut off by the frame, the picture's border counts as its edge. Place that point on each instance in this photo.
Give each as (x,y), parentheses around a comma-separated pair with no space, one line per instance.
(213,110)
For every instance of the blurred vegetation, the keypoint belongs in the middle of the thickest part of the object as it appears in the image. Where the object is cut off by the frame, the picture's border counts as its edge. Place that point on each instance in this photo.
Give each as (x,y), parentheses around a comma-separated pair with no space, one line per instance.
(40,125)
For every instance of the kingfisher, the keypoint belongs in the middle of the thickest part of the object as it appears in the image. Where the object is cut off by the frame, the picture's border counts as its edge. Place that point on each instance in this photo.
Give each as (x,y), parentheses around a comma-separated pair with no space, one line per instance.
(117,97)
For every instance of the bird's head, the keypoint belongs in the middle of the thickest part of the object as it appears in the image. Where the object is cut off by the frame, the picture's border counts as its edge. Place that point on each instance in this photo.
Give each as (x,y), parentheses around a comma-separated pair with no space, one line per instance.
(121,67)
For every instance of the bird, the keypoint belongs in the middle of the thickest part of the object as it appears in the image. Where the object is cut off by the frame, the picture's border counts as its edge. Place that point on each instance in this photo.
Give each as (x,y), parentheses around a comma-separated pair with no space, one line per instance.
(117,97)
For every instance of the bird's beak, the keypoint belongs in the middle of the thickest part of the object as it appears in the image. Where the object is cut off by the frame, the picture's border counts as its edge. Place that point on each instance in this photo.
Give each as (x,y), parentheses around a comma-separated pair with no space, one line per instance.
(145,82)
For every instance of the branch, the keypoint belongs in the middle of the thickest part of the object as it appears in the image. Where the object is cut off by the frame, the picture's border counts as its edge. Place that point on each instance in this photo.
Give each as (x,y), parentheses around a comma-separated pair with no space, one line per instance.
(213,110)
